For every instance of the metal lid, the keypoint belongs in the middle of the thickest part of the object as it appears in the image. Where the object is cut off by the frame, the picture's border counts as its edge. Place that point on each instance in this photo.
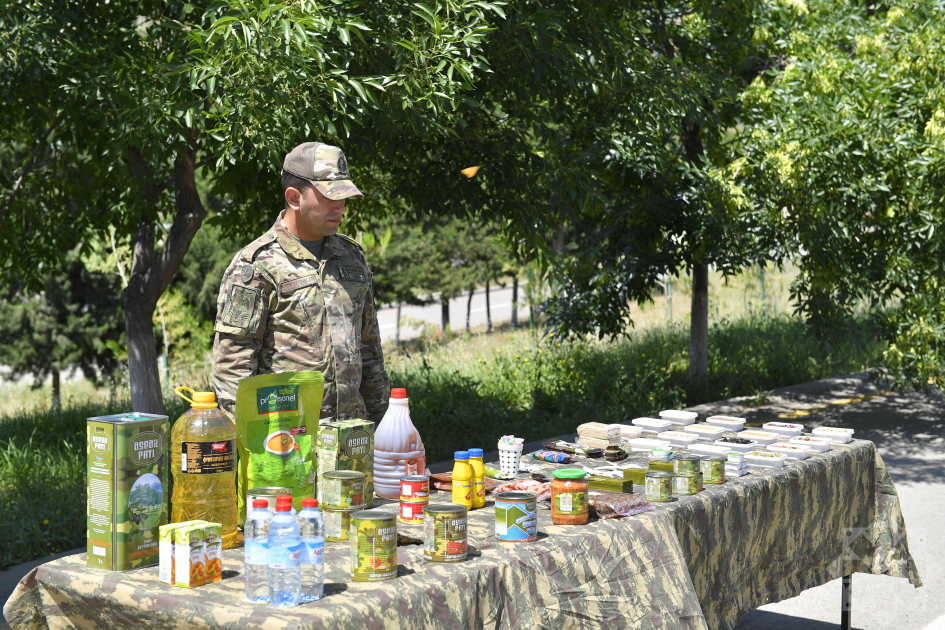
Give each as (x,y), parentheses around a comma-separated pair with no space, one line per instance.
(698,474)
(688,458)
(415,478)
(715,458)
(374,515)
(516,496)
(269,490)
(343,474)
(445,508)
(658,474)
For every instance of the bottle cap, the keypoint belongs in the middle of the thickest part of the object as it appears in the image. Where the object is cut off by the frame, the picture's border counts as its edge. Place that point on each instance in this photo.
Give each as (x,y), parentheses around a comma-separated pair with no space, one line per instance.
(260,503)
(461,455)
(569,473)
(309,503)
(398,392)
(198,400)
(475,452)
(283,506)
(284,497)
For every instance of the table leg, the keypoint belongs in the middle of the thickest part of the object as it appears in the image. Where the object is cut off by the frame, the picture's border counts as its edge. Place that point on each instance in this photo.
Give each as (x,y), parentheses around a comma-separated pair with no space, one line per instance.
(846,603)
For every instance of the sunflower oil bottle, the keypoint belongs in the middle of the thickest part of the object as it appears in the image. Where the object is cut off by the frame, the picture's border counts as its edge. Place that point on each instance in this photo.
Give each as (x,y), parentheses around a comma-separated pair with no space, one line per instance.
(203,463)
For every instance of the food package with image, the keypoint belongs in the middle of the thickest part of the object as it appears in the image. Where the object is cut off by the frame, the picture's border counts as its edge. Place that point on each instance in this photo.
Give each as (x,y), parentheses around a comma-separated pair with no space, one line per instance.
(347,445)
(190,555)
(276,422)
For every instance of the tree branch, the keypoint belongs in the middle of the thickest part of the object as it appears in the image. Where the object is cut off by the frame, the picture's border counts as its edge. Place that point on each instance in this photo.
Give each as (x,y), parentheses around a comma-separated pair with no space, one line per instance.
(28,166)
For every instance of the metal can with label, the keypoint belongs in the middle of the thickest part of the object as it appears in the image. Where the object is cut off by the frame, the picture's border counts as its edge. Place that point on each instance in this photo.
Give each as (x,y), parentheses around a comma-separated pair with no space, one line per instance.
(337,524)
(415,489)
(373,540)
(687,484)
(411,512)
(343,490)
(713,469)
(659,486)
(444,533)
(686,464)
(516,519)
(266,494)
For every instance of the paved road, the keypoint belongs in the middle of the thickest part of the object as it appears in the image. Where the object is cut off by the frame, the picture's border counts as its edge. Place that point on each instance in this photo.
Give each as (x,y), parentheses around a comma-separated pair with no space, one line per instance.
(500,300)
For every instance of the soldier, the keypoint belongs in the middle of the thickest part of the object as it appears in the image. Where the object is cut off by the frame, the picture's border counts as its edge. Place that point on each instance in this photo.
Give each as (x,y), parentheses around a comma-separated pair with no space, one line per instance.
(300,296)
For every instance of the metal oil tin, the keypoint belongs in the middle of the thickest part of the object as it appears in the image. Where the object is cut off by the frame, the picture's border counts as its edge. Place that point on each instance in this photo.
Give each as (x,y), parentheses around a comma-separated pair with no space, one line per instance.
(373,539)
(659,486)
(516,519)
(713,469)
(687,484)
(686,464)
(266,494)
(343,489)
(337,524)
(444,533)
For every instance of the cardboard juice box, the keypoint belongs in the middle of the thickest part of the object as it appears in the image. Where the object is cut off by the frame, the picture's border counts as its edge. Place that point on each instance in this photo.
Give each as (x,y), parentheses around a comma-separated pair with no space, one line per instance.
(213,547)
(126,485)
(347,445)
(190,555)
(166,571)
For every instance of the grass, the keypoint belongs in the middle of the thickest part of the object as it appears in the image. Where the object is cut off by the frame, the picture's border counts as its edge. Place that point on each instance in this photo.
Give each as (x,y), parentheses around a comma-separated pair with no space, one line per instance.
(464,393)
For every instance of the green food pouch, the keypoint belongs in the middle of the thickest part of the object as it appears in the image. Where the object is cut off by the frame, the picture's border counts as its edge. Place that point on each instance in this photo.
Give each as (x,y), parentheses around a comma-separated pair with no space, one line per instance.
(277,424)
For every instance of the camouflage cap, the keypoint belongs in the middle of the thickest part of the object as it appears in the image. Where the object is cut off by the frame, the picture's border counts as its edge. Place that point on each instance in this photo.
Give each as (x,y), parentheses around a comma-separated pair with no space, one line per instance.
(324,166)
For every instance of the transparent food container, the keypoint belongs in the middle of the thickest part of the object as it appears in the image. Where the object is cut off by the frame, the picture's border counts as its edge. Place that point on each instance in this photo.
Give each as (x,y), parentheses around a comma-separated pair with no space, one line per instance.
(815,444)
(741,448)
(679,438)
(726,422)
(791,451)
(679,417)
(705,430)
(784,428)
(841,436)
(762,437)
(764,459)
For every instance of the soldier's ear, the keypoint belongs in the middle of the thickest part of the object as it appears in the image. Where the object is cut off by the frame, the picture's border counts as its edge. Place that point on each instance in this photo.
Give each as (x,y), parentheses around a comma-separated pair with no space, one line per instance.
(293,198)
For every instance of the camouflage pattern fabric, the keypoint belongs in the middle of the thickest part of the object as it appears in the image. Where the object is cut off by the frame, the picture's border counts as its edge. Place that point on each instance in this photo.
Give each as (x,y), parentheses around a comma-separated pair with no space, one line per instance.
(753,540)
(325,167)
(281,310)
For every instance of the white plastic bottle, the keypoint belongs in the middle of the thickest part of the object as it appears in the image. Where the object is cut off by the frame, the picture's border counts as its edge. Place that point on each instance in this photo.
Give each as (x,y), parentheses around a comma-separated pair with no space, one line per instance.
(398,449)
(256,552)
(312,532)
(285,571)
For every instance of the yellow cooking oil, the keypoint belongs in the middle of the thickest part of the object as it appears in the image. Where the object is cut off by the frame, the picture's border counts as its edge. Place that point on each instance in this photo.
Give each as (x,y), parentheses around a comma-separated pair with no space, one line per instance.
(203,463)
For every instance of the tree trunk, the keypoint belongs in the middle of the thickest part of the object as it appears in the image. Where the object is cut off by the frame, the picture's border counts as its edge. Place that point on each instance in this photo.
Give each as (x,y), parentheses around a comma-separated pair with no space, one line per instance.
(445,314)
(515,301)
(397,328)
(469,306)
(699,324)
(488,310)
(151,273)
(56,390)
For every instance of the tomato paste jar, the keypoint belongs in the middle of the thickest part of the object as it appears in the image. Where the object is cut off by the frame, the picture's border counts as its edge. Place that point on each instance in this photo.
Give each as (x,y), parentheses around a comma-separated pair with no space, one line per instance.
(569,497)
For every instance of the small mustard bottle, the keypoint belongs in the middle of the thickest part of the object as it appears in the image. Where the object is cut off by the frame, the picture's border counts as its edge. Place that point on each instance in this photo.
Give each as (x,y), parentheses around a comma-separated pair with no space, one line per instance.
(462,479)
(478,474)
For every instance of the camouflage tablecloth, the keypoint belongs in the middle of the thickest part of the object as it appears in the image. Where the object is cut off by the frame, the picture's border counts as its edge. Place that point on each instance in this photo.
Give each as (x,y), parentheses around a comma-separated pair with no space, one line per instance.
(698,562)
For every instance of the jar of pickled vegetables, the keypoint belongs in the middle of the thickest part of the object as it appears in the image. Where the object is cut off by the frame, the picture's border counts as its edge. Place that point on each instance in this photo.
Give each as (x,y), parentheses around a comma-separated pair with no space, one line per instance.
(569,497)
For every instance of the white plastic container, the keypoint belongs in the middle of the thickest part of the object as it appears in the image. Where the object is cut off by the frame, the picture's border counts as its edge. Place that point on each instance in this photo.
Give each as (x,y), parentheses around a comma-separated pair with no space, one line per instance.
(627,432)
(841,436)
(645,445)
(784,428)
(679,438)
(791,451)
(763,459)
(705,430)
(815,444)
(398,449)
(762,437)
(728,423)
(709,449)
(510,458)
(740,448)
(733,471)
(652,424)
(679,417)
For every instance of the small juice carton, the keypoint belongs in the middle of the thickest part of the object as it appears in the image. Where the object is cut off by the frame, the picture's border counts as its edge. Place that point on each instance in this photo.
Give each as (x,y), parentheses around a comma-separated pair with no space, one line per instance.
(166,558)
(190,555)
(213,538)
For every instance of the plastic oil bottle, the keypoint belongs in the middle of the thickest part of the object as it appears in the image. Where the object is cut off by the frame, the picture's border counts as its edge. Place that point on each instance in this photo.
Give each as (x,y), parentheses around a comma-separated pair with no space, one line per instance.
(203,462)
(398,449)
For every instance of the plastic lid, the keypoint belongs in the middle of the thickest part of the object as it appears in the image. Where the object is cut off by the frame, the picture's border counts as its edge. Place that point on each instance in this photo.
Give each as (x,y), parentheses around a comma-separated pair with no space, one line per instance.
(475,452)
(309,503)
(282,506)
(198,400)
(398,392)
(569,473)
(260,503)
(284,497)
(461,455)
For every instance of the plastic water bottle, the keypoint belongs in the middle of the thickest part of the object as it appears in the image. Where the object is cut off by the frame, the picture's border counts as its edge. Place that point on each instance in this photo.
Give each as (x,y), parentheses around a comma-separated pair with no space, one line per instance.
(256,551)
(312,531)
(285,550)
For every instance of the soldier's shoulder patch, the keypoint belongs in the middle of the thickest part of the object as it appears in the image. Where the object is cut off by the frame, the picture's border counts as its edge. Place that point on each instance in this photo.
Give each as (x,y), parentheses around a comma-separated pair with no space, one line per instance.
(240,306)
(246,273)
(347,238)
(355,274)
(248,253)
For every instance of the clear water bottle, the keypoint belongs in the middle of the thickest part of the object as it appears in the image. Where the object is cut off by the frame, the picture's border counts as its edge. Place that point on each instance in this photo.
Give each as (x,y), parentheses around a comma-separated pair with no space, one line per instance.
(312,531)
(285,551)
(256,551)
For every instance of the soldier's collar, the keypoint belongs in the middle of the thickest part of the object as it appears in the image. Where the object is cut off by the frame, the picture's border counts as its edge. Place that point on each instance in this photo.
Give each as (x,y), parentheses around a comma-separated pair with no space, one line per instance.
(294,248)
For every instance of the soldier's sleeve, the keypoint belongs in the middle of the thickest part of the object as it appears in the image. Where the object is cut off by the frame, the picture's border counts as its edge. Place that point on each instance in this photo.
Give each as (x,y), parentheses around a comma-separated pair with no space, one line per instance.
(375,384)
(242,314)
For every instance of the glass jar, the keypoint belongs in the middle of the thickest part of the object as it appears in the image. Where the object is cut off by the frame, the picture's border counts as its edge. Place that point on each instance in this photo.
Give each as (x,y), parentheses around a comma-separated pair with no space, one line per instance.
(569,497)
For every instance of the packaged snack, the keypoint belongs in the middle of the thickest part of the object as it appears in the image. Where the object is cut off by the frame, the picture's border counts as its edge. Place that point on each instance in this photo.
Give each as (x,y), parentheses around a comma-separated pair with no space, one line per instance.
(606,504)
(598,430)
(166,564)
(550,456)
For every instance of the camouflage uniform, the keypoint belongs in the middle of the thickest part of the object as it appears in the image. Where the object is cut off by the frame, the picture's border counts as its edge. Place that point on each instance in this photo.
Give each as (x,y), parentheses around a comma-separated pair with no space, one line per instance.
(280,309)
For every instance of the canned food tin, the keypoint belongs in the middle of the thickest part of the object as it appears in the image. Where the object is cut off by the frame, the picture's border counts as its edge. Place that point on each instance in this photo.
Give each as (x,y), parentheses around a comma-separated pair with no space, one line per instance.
(337,524)
(444,533)
(687,484)
(686,464)
(268,495)
(659,486)
(373,546)
(343,490)
(515,517)
(713,469)
(415,489)
(412,512)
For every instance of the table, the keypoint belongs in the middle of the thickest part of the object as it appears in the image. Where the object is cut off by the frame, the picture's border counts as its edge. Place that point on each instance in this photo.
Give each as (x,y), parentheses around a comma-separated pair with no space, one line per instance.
(698,562)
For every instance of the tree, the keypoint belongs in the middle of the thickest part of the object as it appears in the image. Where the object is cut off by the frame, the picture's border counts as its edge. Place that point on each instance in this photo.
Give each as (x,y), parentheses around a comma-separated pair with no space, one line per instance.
(854,127)
(65,325)
(109,110)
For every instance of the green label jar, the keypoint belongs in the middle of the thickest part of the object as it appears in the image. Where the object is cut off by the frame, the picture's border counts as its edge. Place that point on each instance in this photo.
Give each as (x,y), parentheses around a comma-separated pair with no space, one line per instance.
(569,497)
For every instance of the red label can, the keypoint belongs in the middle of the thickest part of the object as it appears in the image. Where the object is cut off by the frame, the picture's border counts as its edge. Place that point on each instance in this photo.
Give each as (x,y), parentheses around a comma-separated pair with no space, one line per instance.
(414,489)
(412,512)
